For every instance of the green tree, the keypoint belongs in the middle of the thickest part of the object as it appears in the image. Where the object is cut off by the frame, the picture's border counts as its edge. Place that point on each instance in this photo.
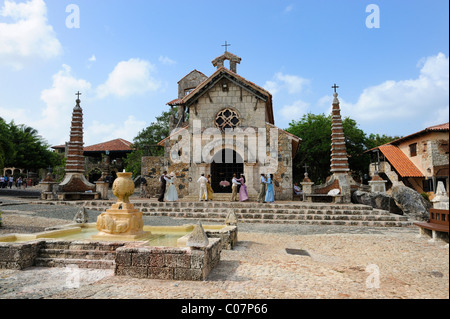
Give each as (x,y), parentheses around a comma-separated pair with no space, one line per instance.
(375,140)
(145,143)
(315,148)
(29,151)
(6,146)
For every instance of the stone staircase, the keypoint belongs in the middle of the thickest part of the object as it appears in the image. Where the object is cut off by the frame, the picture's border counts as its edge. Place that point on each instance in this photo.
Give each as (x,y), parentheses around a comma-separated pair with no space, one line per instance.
(82,254)
(275,213)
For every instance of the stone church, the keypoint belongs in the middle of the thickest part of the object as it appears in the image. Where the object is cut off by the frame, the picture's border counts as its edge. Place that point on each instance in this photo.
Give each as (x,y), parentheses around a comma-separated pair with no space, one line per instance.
(223,125)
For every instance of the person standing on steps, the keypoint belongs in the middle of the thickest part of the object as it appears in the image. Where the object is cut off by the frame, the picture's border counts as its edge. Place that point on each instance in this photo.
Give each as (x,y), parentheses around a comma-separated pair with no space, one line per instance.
(234,187)
(243,195)
(262,189)
(162,191)
(203,192)
(270,193)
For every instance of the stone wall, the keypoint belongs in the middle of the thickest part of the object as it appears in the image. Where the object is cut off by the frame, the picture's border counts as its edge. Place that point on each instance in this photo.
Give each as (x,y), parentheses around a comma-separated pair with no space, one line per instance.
(154,166)
(18,256)
(283,176)
(252,111)
(168,263)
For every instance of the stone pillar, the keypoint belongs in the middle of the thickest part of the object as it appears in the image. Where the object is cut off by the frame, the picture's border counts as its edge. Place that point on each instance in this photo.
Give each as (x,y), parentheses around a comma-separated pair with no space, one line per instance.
(377,184)
(249,173)
(307,188)
(102,188)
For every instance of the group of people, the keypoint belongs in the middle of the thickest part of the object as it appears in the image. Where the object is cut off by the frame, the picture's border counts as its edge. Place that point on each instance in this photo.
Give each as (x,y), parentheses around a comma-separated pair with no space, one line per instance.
(6,181)
(168,191)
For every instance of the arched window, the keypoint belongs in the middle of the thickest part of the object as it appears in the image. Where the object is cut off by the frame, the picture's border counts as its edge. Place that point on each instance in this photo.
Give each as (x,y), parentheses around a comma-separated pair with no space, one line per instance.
(227,118)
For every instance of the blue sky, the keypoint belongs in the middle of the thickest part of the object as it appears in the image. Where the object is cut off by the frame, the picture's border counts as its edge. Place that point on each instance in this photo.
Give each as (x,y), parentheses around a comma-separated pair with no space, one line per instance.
(126,58)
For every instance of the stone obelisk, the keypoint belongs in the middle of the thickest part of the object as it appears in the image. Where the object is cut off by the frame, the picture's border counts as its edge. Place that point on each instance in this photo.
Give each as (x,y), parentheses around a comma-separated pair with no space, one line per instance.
(339,157)
(74,181)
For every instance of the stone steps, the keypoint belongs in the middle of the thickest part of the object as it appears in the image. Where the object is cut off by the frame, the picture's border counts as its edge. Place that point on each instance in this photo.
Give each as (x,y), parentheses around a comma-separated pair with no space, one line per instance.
(80,263)
(277,213)
(82,254)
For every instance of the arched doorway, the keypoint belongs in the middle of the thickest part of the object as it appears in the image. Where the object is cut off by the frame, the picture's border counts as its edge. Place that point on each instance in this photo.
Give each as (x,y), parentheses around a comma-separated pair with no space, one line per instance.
(224,164)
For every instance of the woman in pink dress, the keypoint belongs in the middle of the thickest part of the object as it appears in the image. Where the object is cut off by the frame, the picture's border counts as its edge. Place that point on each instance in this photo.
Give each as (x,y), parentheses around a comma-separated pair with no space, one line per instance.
(243,196)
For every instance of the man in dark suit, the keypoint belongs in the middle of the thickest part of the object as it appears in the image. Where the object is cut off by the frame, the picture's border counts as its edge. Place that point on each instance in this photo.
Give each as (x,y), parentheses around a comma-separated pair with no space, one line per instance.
(163,179)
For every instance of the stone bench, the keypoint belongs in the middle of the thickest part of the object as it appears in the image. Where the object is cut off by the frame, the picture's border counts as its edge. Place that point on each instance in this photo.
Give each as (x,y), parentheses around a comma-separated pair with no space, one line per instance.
(437,227)
(322,198)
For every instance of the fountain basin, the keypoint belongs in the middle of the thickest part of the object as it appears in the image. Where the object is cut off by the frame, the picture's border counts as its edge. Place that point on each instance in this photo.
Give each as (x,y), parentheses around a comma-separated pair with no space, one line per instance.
(163,255)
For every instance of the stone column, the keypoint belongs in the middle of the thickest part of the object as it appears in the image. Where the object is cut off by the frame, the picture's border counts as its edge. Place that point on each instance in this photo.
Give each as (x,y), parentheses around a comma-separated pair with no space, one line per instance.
(377,184)
(307,188)
(249,173)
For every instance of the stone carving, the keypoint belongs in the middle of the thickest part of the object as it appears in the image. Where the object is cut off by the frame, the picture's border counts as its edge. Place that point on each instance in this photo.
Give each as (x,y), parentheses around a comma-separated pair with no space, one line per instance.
(122,221)
(231,219)
(81,217)
(198,237)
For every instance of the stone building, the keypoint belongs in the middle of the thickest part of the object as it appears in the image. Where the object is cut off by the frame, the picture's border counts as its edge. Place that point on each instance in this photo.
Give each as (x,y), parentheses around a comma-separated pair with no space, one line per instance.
(224,125)
(419,160)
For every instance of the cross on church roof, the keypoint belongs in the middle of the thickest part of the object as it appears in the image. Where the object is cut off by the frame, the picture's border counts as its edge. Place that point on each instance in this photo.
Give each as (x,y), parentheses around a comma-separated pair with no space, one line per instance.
(335,87)
(226,45)
(78,94)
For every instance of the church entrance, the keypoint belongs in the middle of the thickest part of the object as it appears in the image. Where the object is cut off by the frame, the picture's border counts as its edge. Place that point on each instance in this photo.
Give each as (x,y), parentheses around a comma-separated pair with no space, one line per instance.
(224,164)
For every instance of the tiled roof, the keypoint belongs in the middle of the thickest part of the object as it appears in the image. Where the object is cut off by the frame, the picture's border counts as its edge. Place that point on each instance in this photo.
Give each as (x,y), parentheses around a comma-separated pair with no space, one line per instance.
(436,128)
(175,102)
(400,162)
(440,127)
(112,146)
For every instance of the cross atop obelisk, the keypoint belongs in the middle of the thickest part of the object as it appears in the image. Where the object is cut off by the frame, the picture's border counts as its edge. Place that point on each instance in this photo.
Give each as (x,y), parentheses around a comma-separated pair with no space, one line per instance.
(335,87)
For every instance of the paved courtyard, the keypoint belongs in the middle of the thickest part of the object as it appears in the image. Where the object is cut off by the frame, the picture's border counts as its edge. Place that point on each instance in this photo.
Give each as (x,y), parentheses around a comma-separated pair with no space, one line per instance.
(335,262)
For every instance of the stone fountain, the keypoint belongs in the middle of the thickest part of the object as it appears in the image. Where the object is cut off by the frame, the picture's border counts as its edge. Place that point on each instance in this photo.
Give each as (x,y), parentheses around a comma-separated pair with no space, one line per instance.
(122,221)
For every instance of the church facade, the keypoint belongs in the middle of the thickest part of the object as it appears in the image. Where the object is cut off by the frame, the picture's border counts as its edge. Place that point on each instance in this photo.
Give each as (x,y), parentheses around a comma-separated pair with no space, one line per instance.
(223,125)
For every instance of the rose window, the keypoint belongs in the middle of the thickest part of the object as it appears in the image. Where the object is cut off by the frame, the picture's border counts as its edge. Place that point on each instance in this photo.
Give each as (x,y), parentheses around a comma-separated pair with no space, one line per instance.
(227,119)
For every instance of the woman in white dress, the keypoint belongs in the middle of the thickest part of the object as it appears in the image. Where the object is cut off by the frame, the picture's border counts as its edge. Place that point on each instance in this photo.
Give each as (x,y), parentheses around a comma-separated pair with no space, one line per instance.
(171,193)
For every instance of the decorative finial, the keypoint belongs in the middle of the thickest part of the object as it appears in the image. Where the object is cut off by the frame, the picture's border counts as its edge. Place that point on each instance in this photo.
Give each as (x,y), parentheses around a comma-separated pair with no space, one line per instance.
(335,87)
(78,99)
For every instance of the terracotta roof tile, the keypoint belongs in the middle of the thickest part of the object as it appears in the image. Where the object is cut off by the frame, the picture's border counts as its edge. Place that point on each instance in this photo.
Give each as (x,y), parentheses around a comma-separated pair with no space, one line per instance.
(401,163)
(436,128)
(175,102)
(114,145)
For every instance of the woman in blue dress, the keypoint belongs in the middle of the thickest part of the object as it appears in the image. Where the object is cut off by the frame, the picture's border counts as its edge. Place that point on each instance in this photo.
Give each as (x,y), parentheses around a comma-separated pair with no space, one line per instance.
(270,193)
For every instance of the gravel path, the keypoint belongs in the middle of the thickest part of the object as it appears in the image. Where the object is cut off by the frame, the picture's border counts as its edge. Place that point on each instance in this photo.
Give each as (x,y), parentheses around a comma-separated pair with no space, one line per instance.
(338,262)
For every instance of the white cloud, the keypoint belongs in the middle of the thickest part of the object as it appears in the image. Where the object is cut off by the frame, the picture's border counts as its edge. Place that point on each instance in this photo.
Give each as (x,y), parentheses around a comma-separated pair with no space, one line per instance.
(103,132)
(28,35)
(423,97)
(129,78)
(92,58)
(54,124)
(289,8)
(293,84)
(166,60)
(294,111)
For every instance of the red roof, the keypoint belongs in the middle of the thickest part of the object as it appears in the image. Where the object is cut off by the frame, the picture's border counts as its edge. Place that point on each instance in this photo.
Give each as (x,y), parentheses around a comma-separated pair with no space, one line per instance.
(400,162)
(436,128)
(175,102)
(114,145)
